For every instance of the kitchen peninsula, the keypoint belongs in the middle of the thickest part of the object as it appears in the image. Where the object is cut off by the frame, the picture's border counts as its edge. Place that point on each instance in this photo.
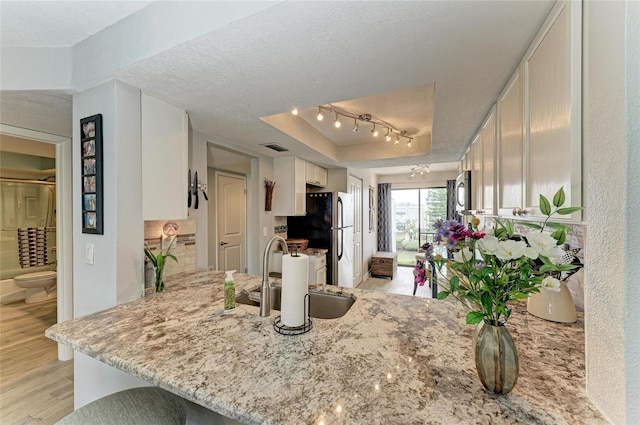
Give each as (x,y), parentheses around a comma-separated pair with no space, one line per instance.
(391,359)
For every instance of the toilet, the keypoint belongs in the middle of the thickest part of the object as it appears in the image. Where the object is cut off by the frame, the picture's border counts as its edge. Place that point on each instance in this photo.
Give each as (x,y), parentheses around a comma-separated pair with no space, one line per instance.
(40,286)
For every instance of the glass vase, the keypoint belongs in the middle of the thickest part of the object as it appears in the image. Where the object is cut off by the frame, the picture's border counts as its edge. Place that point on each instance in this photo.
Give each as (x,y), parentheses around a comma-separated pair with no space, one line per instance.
(159,279)
(496,358)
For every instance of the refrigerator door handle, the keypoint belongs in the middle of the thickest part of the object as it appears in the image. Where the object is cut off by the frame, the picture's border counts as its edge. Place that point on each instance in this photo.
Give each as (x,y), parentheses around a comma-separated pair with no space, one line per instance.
(340,213)
(341,244)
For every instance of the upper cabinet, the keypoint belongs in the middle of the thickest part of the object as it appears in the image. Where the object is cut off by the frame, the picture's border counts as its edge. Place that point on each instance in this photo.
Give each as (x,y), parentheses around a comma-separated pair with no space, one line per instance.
(315,175)
(481,156)
(165,134)
(510,147)
(552,110)
(488,135)
(289,194)
(475,165)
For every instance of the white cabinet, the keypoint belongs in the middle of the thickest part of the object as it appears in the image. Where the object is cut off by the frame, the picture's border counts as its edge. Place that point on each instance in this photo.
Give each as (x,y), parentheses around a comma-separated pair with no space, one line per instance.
(165,133)
(481,160)
(510,147)
(289,194)
(488,169)
(475,165)
(318,269)
(315,175)
(553,140)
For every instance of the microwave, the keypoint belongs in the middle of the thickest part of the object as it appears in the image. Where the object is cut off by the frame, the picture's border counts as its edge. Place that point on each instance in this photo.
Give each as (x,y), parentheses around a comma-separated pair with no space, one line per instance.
(463,193)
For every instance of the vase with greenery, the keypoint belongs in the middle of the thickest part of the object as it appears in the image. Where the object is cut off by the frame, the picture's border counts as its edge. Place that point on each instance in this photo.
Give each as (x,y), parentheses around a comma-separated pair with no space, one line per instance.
(492,269)
(158,261)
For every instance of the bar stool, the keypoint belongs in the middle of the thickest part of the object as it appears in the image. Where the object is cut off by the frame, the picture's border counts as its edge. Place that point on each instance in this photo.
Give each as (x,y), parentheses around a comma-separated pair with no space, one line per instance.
(135,406)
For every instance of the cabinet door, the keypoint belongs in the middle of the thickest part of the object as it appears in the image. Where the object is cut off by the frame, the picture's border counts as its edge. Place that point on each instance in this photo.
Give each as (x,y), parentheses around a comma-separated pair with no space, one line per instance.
(321,276)
(289,194)
(311,173)
(553,106)
(476,173)
(488,135)
(510,141)
(164,133)
(322,177)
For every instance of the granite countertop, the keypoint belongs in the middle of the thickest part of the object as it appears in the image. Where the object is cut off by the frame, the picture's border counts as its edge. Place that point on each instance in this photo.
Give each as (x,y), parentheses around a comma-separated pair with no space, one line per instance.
(392,359)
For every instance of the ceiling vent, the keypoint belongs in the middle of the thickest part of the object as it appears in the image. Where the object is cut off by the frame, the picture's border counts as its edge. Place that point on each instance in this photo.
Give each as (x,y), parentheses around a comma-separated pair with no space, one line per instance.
(276,147)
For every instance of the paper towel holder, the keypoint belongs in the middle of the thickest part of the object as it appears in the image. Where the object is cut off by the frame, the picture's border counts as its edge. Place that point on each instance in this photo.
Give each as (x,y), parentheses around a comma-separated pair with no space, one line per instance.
(283,329)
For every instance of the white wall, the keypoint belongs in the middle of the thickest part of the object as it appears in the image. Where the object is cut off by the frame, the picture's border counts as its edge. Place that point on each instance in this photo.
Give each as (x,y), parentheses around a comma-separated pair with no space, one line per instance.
(257,217)
(116,275)
(35,68)
(611,158)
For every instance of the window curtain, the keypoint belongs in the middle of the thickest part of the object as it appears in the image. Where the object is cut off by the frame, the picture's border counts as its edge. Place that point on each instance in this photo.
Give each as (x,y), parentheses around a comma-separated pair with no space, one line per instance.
(385,232)
(451,199)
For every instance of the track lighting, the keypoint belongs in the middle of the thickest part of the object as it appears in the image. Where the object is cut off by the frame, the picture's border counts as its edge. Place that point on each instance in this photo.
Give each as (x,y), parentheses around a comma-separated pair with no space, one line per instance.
(357,117)
(420,168)
(294,111)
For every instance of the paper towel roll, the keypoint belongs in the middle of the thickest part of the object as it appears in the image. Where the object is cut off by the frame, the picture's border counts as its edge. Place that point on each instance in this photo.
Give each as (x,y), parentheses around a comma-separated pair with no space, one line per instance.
(295,285)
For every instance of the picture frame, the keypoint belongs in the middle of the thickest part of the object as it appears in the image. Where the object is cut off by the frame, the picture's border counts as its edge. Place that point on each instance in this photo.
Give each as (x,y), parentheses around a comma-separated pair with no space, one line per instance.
(91,174)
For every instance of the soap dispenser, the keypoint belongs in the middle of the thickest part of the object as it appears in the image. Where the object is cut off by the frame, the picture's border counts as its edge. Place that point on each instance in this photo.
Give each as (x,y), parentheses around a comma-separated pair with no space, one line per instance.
(229,292)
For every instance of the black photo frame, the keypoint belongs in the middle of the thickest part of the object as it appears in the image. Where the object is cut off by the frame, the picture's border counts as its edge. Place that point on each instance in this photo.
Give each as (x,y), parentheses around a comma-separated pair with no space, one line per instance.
(91,174)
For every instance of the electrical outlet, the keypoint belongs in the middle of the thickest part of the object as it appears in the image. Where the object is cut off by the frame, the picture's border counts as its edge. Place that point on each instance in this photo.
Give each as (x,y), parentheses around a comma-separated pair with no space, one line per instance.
(264,231)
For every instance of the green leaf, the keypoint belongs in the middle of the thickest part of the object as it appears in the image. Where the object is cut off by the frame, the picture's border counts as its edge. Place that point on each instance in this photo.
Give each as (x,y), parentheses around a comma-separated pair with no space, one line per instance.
(442,295)
(557,235)
(545,206)
(563,237)
(160,259)
(559,197)
(487,302)
(556,225)
(547,268)
(510,229)
(532,225)
(568,210)
(151,257)
(173,257)
(474,317)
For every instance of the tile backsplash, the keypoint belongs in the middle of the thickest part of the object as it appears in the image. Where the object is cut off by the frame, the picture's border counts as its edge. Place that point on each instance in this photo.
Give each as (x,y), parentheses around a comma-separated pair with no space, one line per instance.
(184,248)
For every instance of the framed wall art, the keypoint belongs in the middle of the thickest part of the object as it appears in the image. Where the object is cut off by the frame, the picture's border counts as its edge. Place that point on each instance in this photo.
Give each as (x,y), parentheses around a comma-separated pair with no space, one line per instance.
(91,174)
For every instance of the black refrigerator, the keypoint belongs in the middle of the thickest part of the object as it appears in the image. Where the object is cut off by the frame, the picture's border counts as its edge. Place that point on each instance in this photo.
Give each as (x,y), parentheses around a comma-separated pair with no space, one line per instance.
(328,224)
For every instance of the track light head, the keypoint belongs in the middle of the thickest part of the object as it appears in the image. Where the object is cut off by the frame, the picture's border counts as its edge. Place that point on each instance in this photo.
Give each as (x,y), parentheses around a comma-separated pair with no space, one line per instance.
(319,117)
(355,125)
(374,131)
(294,111)
(337,122)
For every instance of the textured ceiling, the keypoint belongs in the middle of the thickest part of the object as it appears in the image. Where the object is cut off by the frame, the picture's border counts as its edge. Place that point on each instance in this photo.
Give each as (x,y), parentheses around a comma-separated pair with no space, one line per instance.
(45,111)
(58,23)
(312,53)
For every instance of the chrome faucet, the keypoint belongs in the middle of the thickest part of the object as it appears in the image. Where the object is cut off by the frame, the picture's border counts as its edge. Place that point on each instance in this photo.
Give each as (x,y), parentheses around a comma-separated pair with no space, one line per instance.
(265,293)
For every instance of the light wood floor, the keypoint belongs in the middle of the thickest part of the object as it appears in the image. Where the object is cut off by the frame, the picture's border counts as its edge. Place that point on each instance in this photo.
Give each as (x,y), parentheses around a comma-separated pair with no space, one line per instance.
(402,283)
(35,388)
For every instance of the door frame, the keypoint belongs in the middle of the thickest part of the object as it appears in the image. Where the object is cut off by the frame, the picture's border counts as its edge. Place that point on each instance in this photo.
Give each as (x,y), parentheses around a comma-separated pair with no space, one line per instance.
(215,216)
(64,223)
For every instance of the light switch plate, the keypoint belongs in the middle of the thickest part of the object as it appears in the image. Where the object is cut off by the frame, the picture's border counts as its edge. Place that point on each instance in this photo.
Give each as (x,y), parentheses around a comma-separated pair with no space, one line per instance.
(89,254)
(264,231)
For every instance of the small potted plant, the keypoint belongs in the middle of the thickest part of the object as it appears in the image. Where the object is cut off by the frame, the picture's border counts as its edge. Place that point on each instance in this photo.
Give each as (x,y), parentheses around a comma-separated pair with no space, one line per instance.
(170,230)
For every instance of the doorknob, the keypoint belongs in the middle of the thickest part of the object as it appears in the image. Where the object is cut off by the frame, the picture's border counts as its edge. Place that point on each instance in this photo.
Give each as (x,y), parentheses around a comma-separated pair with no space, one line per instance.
(223,243)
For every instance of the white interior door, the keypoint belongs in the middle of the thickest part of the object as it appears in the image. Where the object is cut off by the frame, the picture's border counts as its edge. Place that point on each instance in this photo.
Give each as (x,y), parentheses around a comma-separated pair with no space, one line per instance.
(355,189)
(231,225)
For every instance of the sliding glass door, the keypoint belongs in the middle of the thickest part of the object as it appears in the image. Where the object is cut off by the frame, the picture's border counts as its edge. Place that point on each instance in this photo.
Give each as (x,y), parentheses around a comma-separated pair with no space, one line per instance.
(414,211)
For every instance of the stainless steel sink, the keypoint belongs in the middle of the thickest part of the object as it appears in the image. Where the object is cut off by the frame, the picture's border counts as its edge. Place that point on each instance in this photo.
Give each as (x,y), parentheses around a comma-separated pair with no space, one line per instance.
(323,305)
